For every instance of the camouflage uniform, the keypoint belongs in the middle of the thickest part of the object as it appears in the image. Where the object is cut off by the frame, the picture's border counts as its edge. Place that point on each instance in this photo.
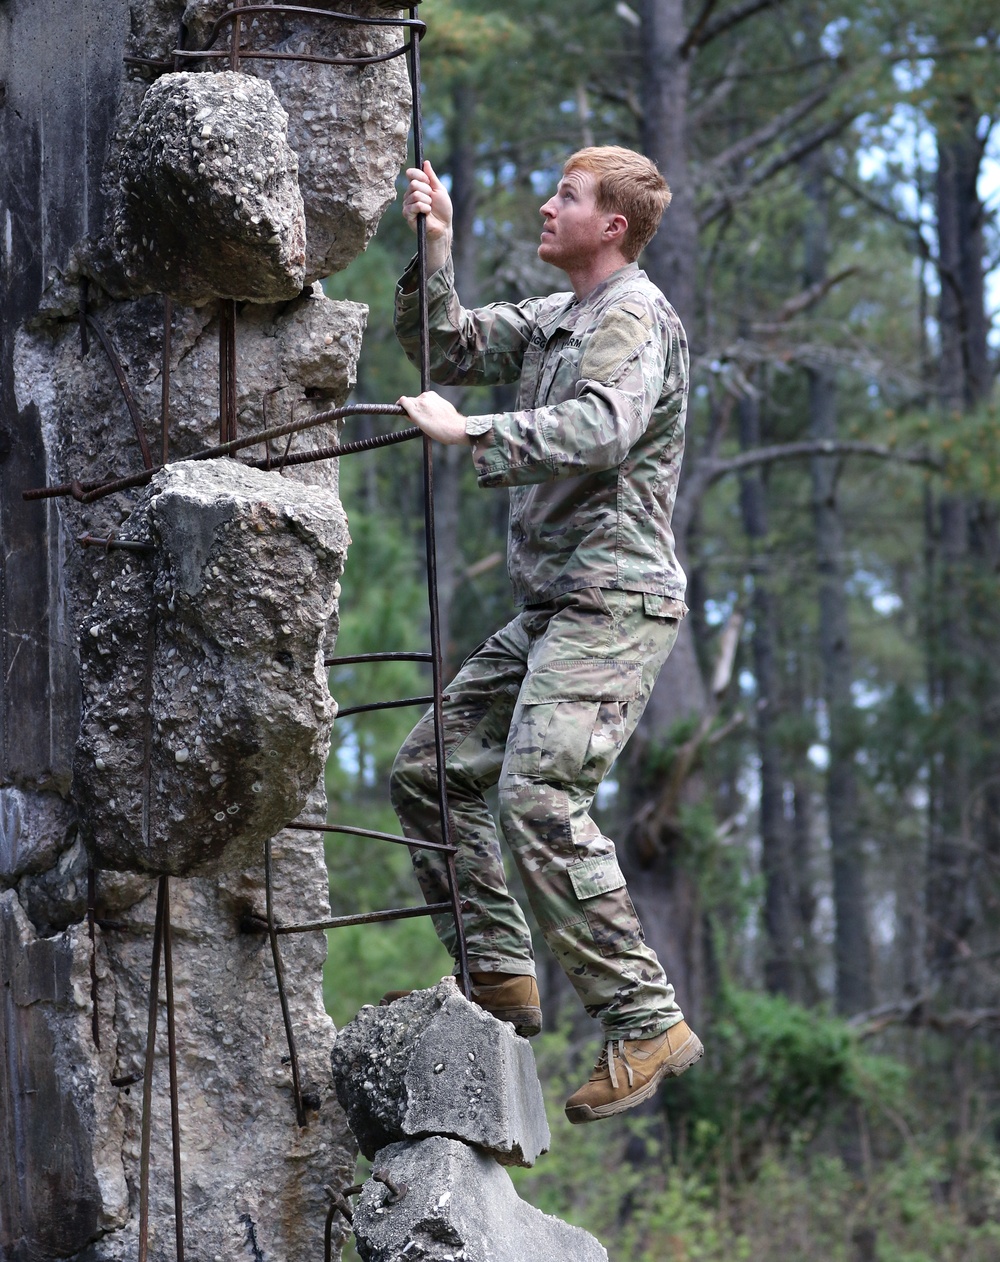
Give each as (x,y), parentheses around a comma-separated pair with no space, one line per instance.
(544,707)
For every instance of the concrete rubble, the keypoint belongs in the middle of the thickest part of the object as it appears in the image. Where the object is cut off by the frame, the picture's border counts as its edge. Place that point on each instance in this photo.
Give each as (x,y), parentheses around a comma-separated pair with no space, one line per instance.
(348,125)
(210,204)
(207,714)
(440,1095)
(433,1063)
(459,1206)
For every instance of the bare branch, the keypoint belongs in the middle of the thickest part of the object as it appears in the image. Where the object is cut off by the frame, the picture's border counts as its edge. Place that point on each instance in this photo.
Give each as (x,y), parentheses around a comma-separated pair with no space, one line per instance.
(719,91)
(618,96)
(888,212)
(916,1012)
(770,131)
(712,470)
(697,27)
(484,565)
(698,38)
(803,301)
(796,151)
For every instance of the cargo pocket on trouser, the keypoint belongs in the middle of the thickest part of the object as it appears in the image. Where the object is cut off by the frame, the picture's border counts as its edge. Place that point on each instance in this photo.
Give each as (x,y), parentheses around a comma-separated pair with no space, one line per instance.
(571,720)
(599,886)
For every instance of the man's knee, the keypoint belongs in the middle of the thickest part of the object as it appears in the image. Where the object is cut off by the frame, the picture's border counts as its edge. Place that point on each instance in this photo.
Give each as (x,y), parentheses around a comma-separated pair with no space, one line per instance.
(414,773)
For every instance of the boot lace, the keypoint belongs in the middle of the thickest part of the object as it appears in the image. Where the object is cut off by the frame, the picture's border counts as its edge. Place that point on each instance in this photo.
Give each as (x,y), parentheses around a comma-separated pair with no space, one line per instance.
(608,1059)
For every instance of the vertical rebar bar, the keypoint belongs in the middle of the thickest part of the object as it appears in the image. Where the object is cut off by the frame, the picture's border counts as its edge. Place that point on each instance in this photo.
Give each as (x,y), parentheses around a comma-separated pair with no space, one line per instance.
(168,319)
(429,534)
(95,1017)
(231,370)
(175,1121)
(234,39)
(227,370)
(147,1076)
(279,975)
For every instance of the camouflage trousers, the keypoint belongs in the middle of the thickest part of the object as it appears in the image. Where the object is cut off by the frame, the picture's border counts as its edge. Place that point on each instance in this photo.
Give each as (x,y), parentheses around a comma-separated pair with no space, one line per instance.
(542,710)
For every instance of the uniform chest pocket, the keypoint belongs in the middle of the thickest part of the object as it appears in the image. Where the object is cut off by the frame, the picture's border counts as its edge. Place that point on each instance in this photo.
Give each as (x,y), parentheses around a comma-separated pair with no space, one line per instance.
(531,364)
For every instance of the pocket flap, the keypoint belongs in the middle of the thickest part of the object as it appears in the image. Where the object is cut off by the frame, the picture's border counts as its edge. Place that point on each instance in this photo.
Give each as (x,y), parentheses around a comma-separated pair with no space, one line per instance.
(584,679)
(656,606)
(600,875)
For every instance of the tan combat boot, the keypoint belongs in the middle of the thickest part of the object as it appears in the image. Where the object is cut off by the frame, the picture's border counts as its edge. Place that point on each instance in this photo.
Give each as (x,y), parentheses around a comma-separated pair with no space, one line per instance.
(629,1071)
(511,997)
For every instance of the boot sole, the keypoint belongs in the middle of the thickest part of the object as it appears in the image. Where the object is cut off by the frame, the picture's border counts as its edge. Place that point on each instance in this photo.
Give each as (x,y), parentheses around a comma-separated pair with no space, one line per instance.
(527,1022)
(690,1051)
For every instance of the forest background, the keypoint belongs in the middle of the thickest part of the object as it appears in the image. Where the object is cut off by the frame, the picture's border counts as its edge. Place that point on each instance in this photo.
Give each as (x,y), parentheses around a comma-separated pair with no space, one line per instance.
(809,813)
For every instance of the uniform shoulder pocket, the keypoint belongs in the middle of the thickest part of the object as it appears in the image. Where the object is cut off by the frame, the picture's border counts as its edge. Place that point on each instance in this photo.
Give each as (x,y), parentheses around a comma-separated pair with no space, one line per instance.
(619,335)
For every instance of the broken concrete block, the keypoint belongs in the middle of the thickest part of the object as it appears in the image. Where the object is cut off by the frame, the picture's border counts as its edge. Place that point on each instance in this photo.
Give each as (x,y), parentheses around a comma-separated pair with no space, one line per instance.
(433,1063)
(210,203)
(458,1204)
(349,126)
(207,714)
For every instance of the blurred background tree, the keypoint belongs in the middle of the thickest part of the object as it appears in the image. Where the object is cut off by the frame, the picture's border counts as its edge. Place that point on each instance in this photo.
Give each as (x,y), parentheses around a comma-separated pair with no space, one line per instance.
(809,813)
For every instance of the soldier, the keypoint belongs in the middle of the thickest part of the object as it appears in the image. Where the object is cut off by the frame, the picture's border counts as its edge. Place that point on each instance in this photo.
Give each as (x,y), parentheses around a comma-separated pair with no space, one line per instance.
(542,709)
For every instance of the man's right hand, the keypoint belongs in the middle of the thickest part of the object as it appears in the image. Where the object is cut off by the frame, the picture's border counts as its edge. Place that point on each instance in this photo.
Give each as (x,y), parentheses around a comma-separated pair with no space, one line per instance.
(426,195)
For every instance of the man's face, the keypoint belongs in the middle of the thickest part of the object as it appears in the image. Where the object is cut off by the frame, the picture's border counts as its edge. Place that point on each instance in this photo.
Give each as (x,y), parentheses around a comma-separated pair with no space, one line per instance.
(573,231)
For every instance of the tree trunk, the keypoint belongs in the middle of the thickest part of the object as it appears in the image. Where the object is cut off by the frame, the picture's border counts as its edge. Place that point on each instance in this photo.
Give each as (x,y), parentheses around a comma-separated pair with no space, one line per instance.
(671,257)
(852,942)
(965,677)
(779,959)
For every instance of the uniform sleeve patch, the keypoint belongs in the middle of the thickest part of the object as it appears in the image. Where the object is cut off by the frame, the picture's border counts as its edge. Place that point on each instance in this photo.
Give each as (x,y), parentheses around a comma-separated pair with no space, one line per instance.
(618,336)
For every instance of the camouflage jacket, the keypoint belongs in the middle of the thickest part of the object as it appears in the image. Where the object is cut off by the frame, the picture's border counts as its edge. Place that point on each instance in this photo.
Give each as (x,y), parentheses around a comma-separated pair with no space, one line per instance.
(593,453)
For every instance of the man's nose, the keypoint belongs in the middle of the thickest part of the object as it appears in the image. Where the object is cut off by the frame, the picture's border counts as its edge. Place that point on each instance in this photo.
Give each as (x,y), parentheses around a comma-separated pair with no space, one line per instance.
(548,210)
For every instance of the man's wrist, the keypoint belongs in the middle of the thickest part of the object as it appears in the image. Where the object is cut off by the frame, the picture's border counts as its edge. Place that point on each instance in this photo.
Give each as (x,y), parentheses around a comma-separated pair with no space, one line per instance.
(438,253)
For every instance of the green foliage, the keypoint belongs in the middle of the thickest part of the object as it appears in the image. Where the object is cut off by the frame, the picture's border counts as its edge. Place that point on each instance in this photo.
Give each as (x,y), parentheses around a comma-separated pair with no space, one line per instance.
(655,1192)
(773,1073)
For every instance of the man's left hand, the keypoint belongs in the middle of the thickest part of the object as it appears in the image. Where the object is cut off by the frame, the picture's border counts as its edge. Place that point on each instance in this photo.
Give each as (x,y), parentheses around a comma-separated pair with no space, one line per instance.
(436,417)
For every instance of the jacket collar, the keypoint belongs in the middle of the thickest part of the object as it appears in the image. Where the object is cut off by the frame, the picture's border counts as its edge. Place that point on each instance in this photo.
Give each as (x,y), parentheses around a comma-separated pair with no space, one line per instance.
(567,314)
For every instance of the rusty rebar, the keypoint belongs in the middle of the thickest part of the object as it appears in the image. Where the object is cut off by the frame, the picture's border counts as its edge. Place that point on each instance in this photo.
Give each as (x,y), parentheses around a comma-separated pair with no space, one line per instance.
(123,385)
(147,1077)
(253,922)
(396,1190)
(175,1121)
(266,56)
(304,826)
(339,449)
(87,492)
(384,705)
(352,19)
(338,1204)
(227,370)
(430,536)
(376,657)
(279,976)
(95,1021)
(168,317)
(234,36)
(111,544)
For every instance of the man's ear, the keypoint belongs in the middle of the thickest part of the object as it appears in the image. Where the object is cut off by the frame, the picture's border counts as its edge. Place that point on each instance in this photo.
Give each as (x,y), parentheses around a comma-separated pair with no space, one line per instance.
(615,228)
